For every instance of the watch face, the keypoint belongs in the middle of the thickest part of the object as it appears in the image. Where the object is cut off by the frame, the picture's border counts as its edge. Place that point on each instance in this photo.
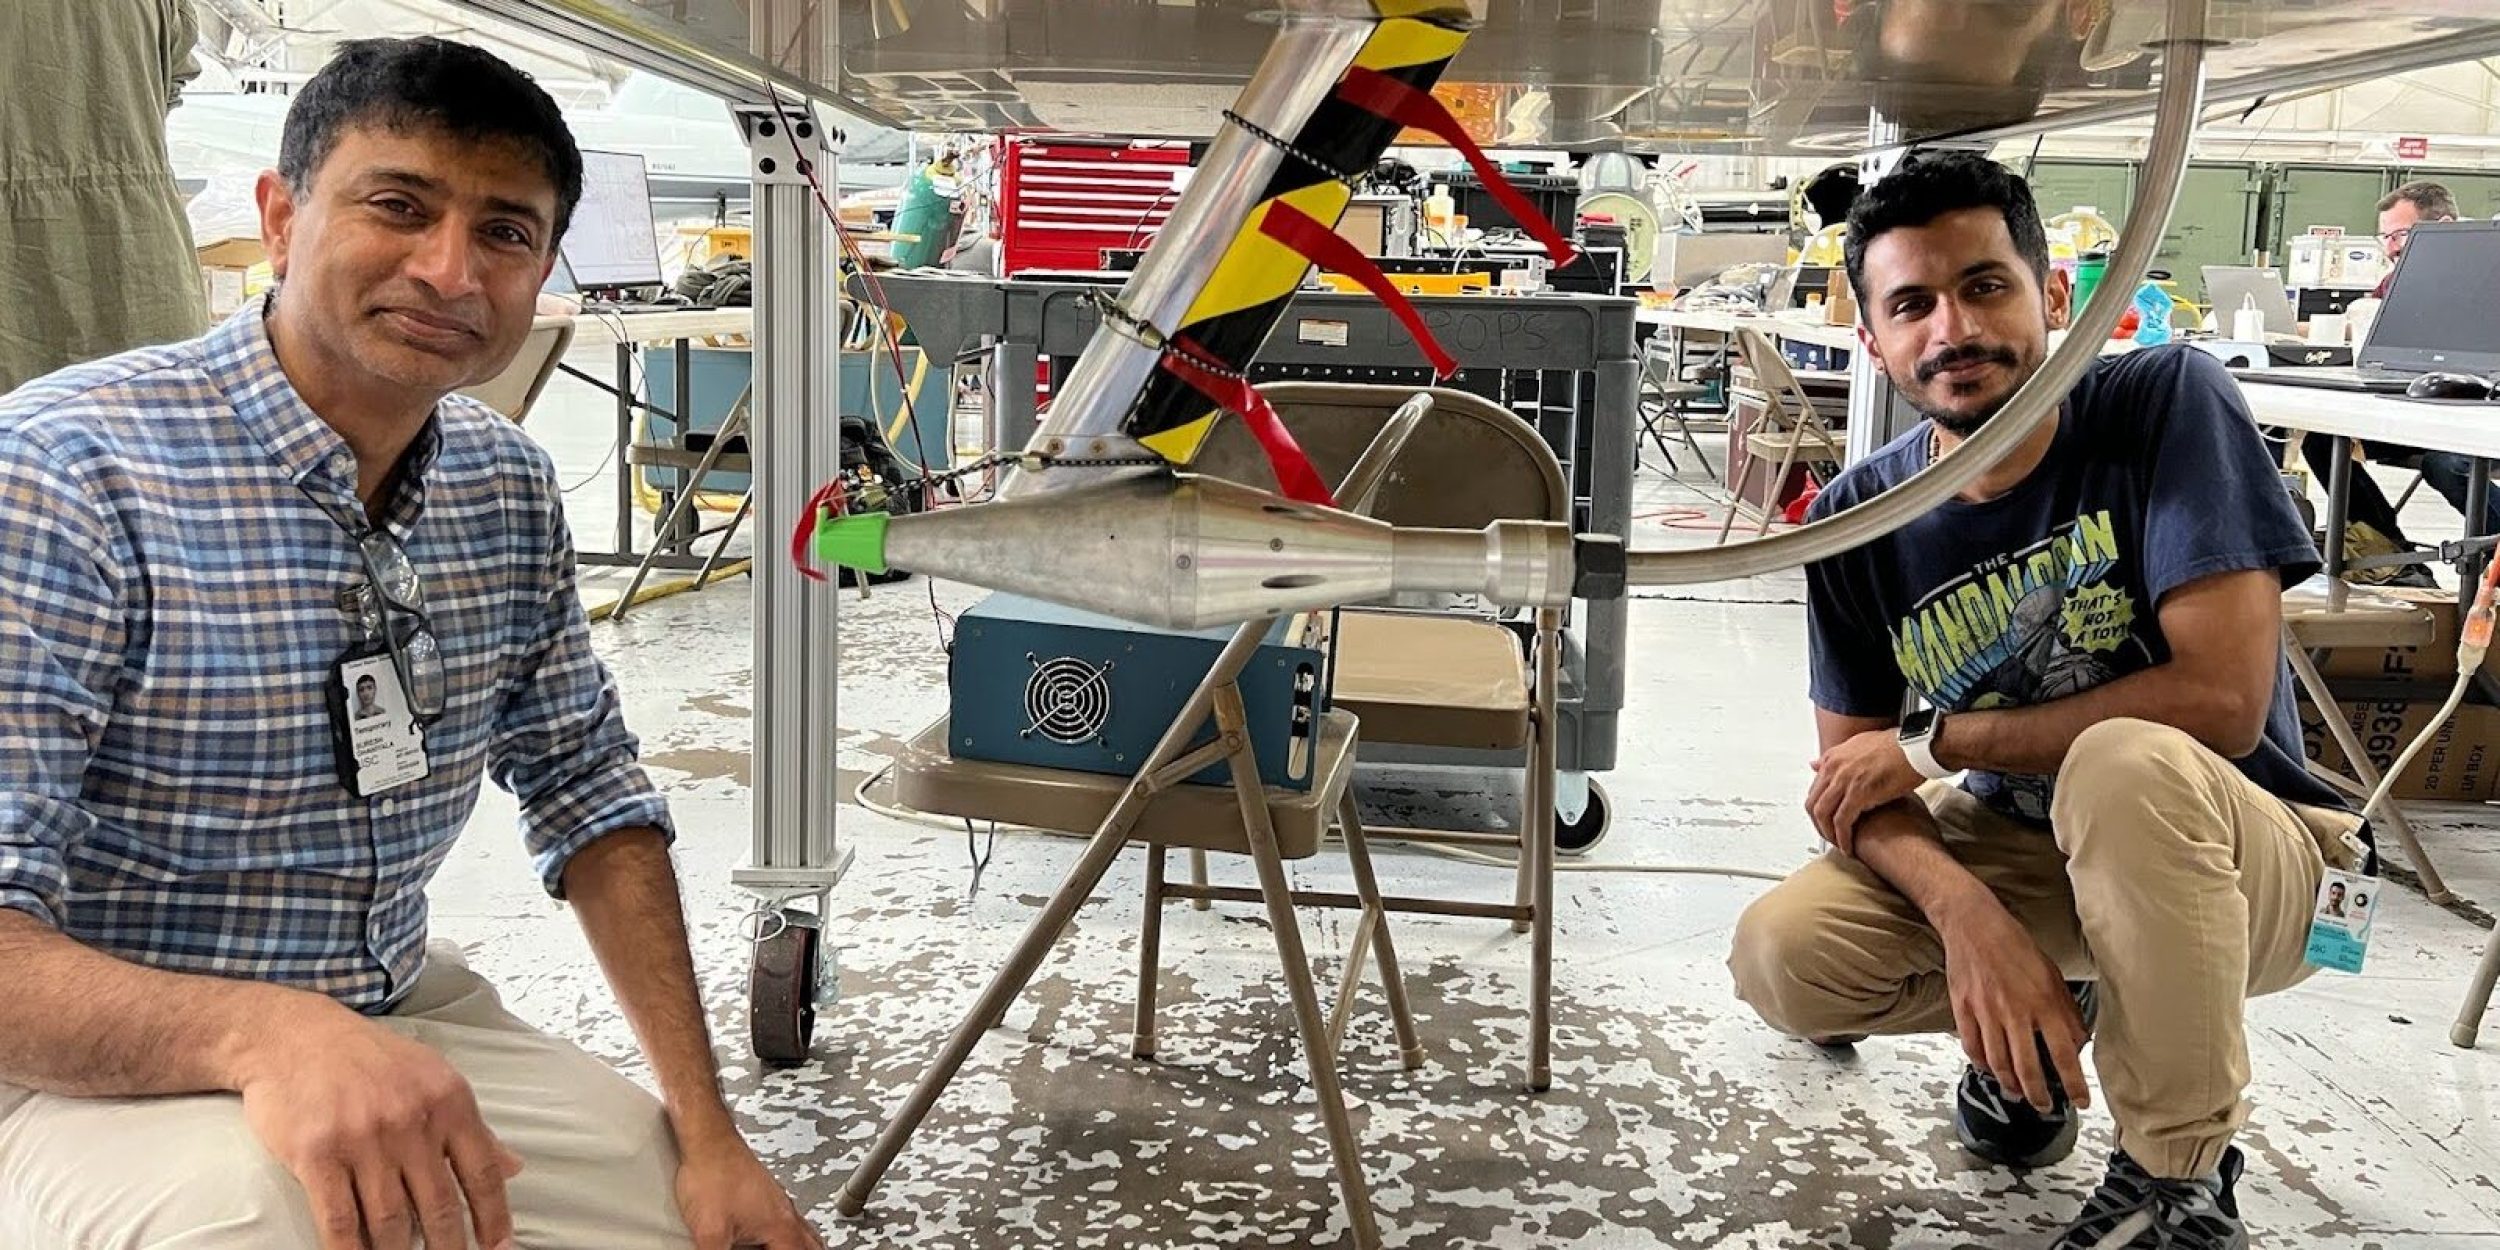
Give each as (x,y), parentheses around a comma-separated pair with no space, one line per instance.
(1917,724)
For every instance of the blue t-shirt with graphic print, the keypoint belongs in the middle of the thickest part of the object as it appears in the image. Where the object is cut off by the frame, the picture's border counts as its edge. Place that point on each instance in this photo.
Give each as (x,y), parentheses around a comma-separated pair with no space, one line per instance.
(2157,478)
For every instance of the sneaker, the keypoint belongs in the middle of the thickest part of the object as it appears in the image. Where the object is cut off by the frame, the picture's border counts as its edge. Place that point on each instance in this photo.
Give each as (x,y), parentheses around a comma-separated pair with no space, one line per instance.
(2012,1133)
(2134,1210)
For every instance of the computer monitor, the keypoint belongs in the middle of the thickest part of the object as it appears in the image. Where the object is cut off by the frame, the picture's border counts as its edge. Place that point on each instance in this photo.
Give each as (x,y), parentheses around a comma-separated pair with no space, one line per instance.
(614,242)
(2443,306)
(2230,288)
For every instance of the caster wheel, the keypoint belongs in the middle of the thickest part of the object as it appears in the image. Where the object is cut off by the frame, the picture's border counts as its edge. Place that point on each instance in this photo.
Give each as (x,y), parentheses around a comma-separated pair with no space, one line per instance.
(781,992)
(1579,837)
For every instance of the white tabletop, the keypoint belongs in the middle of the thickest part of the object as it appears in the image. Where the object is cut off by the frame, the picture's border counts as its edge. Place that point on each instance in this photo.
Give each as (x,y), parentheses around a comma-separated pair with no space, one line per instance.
(606,329)
(2466,429)
(1816,331)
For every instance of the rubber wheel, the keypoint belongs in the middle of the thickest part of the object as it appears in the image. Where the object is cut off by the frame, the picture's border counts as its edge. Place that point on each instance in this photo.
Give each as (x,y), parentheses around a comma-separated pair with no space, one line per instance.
(781,993)
(1579,837)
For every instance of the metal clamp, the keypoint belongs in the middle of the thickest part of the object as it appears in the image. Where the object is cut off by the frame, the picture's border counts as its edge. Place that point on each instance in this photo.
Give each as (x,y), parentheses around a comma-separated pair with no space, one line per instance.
(785,144)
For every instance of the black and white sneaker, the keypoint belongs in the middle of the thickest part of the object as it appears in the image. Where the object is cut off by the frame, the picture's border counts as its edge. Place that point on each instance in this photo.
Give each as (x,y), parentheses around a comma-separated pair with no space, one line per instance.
(2012,1133)
(2134,1210)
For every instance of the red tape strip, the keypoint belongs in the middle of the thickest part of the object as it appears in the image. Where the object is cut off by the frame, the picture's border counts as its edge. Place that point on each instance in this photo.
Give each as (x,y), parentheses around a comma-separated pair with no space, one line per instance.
(1294,473)
(1382,96)
(803,536)
(1331,251)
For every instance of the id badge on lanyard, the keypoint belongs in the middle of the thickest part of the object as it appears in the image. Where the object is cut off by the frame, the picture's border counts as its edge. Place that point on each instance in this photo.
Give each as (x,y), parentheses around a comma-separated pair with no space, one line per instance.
(376,738)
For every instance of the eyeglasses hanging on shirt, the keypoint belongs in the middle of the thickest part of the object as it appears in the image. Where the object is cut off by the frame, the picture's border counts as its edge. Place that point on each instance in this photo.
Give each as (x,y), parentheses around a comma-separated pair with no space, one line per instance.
(400,601)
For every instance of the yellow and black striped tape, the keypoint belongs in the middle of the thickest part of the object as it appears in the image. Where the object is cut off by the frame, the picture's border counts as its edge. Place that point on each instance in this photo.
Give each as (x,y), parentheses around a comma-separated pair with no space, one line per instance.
(1255,278)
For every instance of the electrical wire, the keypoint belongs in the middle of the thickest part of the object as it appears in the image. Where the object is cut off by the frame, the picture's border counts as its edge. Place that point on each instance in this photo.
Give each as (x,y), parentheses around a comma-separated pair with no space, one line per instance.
(859,795)
(876,289)
(2473,642)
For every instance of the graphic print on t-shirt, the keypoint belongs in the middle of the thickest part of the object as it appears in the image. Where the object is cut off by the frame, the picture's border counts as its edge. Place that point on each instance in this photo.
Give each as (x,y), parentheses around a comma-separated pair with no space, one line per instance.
(2048,621)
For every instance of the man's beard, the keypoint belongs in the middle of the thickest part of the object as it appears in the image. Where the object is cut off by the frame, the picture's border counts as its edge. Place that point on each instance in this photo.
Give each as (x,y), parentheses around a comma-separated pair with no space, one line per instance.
(1965,424)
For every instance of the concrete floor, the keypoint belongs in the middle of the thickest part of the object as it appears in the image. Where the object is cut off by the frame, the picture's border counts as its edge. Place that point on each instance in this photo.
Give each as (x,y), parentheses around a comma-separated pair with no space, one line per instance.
(1676,1118)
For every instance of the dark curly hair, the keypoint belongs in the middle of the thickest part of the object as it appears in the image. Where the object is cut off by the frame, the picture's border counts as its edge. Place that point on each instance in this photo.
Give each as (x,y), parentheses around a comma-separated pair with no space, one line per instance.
(1927,185)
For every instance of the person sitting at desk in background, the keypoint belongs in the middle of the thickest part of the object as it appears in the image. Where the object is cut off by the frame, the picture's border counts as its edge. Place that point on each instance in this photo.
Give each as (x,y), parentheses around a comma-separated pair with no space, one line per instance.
(95,253)
(2097,621)
(2447,472)
(220,1024)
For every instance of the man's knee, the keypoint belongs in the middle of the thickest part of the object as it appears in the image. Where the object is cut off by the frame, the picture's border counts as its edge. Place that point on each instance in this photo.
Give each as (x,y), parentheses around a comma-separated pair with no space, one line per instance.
(2126,760)
(201,1184)
(1788,966)
(2120,774)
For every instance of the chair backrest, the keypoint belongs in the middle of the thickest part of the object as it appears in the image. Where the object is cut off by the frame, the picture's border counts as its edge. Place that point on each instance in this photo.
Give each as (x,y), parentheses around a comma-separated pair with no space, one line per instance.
(1771,368)
(520,384)
(1468,465)
(1658,359)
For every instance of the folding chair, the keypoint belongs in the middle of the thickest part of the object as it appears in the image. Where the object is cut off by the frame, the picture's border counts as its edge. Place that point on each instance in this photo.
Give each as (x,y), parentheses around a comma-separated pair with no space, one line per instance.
(1441,682)
(1157,807)
(2312,621)
(515,390)
(1667,398)
(1791,429)
(698,465)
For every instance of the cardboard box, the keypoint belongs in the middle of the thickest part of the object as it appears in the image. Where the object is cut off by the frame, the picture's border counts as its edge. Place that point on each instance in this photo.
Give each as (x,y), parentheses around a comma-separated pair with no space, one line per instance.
(1840,300)
(2461,764)
(2434,662)
(232,270)
(2334,261)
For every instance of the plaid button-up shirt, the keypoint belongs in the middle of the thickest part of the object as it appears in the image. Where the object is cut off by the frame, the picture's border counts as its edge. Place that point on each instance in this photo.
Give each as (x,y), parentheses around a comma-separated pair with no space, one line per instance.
(176,558)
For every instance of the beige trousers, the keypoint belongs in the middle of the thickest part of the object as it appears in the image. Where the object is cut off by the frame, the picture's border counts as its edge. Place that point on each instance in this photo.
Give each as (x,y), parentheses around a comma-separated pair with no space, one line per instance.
(2173,880)
(186,1173)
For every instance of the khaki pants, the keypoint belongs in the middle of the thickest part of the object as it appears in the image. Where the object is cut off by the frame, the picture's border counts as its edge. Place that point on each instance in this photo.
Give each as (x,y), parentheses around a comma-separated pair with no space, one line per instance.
(186,1173)
(2177,883)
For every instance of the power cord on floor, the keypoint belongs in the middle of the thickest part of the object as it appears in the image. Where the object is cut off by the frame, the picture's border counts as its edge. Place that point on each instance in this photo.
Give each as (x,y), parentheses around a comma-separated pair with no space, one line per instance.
(859,795)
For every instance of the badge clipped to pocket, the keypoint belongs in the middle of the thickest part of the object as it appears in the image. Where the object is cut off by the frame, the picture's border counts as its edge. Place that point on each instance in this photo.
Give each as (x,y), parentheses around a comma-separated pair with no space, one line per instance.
(378,742)
(2339,923)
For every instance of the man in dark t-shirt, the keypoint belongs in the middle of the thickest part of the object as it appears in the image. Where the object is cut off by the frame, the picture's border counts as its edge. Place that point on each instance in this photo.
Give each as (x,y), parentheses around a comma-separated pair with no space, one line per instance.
(2092,634)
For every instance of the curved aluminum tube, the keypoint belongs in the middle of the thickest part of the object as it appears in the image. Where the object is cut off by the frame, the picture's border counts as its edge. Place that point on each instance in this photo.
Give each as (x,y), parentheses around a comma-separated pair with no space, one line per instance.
(1362,484)
(2039,400)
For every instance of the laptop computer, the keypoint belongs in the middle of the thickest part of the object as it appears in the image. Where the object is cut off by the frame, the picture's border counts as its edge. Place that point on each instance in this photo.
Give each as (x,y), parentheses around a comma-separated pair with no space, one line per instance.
(2442,315)
(2233,287)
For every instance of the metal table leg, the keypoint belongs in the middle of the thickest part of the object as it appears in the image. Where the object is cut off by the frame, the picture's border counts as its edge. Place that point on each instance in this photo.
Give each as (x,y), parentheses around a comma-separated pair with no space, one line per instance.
(2338,505)
(624,439)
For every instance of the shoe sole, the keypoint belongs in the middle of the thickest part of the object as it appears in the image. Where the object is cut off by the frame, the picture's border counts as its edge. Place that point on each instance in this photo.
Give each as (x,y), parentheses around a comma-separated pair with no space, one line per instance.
(2055,1152)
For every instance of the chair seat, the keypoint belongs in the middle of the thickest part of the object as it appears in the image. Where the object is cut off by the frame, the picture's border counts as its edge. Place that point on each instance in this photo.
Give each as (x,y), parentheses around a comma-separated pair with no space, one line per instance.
(2366,619)
(1676,391)
(1773,444)
(1436,681)
(928,778)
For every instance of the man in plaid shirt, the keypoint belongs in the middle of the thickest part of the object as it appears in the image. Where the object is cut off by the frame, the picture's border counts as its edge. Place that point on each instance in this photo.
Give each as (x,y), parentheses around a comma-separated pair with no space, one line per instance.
(272,603)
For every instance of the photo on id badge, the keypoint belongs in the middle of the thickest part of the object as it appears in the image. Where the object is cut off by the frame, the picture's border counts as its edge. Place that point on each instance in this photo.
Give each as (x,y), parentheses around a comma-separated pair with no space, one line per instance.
(385,747)
(2339,926)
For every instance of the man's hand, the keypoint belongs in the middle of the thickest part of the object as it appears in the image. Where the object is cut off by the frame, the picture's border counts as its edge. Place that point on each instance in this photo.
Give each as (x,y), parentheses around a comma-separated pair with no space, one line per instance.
(1854,777)
(730,1200)
(383,1133)
(2010,1002)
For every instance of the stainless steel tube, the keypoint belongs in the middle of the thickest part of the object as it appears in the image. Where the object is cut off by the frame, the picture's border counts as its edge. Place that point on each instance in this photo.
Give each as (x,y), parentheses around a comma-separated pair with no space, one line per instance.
(1301,68)
(2165,166)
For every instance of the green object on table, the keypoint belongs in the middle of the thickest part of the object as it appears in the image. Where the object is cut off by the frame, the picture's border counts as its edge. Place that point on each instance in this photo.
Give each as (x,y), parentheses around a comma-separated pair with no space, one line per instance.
(2088,274)
(924,215)
(853,542)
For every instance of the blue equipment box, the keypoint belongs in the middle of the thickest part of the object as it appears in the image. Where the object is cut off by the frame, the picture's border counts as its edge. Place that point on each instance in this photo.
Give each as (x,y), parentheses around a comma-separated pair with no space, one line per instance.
(717,375)
(1041,685)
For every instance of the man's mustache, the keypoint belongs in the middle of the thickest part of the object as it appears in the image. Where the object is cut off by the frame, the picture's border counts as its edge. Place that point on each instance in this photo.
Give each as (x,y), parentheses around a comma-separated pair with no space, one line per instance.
(1955,357)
